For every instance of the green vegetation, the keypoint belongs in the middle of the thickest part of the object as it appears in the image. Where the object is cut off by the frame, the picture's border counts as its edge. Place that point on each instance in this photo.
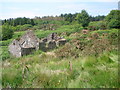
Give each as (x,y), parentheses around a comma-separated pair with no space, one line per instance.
(90,67)
(4,45)
(7,32)
(113,19)
(83,18)
(18,21)
(97,25)
(40,33)
(50,72)
(88,59)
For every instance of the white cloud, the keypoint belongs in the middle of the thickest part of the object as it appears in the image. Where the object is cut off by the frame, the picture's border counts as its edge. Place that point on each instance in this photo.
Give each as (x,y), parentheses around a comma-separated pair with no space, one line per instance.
(59,0)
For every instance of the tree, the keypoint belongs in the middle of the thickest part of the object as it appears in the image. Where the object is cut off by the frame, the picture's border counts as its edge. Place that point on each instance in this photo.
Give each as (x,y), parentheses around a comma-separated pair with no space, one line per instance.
(68,17)
(83,18)
(7,32)
(113,19)
(97,18)
(32,22)
(114,23)
(18,21)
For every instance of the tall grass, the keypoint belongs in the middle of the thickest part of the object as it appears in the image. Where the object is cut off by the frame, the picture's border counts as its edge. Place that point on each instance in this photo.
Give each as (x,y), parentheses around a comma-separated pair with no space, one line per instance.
(69,66)
(50,72)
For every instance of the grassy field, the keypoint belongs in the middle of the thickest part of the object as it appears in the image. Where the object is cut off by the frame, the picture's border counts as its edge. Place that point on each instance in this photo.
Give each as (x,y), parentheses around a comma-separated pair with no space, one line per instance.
(94,65)
(46,70)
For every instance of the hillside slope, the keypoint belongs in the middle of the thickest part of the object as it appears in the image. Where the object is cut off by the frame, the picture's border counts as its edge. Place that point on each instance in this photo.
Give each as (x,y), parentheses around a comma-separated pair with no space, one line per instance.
(86,61)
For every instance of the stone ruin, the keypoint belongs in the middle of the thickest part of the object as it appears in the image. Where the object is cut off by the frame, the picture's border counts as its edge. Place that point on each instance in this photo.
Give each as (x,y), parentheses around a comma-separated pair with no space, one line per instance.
(51,41)
(29,42)
(24,45)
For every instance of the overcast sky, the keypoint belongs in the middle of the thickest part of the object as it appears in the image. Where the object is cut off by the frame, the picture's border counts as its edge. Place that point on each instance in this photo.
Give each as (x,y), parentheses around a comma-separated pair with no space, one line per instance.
(32,8)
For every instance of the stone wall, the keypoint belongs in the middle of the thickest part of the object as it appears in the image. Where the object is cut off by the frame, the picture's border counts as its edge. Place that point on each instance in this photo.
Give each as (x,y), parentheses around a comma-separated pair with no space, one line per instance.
(52,36)
(51,45)
(24,45)
(61,42)
(27,51)
(29,43)
(15,49)
(51,41)
(30,40)
(42,46)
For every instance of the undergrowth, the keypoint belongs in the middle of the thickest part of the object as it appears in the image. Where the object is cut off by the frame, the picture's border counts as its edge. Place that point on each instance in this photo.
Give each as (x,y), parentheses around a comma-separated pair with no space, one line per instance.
(86,61)
(51,72)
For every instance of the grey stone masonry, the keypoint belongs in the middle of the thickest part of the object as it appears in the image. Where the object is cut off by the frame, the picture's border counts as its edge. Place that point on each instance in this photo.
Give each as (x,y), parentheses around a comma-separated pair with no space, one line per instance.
(51,41)
(51,45)
(28,43)
(42,46)
(61,42)
(24,45)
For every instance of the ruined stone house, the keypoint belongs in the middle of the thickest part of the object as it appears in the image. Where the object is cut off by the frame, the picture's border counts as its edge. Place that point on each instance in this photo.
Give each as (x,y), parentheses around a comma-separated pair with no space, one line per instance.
(29,42)
(51,41)
(24,45)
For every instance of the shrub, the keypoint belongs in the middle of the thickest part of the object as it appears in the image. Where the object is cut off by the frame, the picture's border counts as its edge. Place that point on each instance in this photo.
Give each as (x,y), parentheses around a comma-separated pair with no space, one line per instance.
(23,27)
(96,47)
(5,54)
(113,19)
(114,24)
(66,51)
(97,25)
(7,32)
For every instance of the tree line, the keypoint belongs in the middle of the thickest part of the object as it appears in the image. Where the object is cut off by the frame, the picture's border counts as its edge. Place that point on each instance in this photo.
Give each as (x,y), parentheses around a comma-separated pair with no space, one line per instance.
(67,17)
(112,20)
(72,17)
(18,21)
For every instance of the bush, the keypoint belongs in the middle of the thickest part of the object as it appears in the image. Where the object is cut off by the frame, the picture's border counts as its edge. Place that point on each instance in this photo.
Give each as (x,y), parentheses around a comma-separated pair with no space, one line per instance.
(113,19)
(22,27)
(67,51)
(114,24)
(5,54)
(7,32)
(97,25)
